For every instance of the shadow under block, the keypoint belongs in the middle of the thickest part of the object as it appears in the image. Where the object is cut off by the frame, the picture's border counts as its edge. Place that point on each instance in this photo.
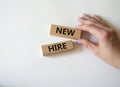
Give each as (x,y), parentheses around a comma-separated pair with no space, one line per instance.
(58,47)
(63,31)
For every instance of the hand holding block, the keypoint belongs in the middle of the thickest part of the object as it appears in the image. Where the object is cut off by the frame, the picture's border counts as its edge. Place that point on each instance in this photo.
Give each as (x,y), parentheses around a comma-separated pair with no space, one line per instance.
(58,47)
(66,32)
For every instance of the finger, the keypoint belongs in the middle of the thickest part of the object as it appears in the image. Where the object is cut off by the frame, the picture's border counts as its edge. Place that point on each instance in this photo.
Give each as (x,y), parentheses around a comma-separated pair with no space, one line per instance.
(90,18)
(87,16)
(94,17)
(88,45)
(84,20)
(100,20)
(91,29)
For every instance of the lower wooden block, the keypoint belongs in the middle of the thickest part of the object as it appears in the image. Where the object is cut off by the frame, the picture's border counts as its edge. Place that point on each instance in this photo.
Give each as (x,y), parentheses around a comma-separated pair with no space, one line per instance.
(58,47)
(63,31)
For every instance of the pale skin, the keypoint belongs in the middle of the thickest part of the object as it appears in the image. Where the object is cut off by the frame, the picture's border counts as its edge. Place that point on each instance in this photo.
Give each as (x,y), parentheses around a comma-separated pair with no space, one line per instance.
(108,47)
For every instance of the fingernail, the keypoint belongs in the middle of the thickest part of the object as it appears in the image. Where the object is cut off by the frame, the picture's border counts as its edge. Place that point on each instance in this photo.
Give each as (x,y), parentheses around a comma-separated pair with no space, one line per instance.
(78,41)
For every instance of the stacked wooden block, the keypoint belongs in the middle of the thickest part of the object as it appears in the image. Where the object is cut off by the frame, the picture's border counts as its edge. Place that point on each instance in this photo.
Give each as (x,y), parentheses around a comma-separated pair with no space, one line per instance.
(61,31)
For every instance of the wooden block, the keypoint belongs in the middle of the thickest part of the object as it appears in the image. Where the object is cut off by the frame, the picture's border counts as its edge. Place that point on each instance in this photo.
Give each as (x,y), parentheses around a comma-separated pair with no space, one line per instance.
(63,31)
(58,47)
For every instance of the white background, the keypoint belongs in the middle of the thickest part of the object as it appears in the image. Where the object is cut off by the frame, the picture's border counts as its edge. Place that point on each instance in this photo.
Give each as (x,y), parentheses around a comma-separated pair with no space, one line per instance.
(25,26)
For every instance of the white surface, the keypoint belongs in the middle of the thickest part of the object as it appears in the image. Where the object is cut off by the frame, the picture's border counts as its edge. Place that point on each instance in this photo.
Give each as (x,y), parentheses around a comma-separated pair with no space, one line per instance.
(24,27)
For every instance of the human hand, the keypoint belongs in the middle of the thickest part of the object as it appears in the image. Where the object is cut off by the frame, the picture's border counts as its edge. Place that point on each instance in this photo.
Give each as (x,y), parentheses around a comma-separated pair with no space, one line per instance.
(108,46)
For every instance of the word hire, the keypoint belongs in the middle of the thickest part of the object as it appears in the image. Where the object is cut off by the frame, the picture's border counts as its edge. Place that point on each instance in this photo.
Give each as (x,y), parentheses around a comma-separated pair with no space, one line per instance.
(57,47)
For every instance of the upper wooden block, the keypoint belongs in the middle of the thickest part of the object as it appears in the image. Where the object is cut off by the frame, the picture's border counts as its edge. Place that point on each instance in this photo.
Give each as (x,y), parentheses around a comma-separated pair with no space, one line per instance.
(63,31)
(58,47)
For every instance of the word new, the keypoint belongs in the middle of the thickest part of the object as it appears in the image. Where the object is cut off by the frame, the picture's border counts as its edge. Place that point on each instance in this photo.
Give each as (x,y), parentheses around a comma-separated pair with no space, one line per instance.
(65,31)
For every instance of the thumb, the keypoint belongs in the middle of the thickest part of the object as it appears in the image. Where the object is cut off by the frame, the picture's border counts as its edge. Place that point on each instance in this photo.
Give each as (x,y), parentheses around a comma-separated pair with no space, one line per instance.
(92,47)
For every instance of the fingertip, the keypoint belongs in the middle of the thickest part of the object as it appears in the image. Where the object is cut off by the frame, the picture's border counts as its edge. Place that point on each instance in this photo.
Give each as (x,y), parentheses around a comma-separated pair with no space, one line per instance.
(84,14)
(78,27)
(94,15)
(79,17)
(78,42)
